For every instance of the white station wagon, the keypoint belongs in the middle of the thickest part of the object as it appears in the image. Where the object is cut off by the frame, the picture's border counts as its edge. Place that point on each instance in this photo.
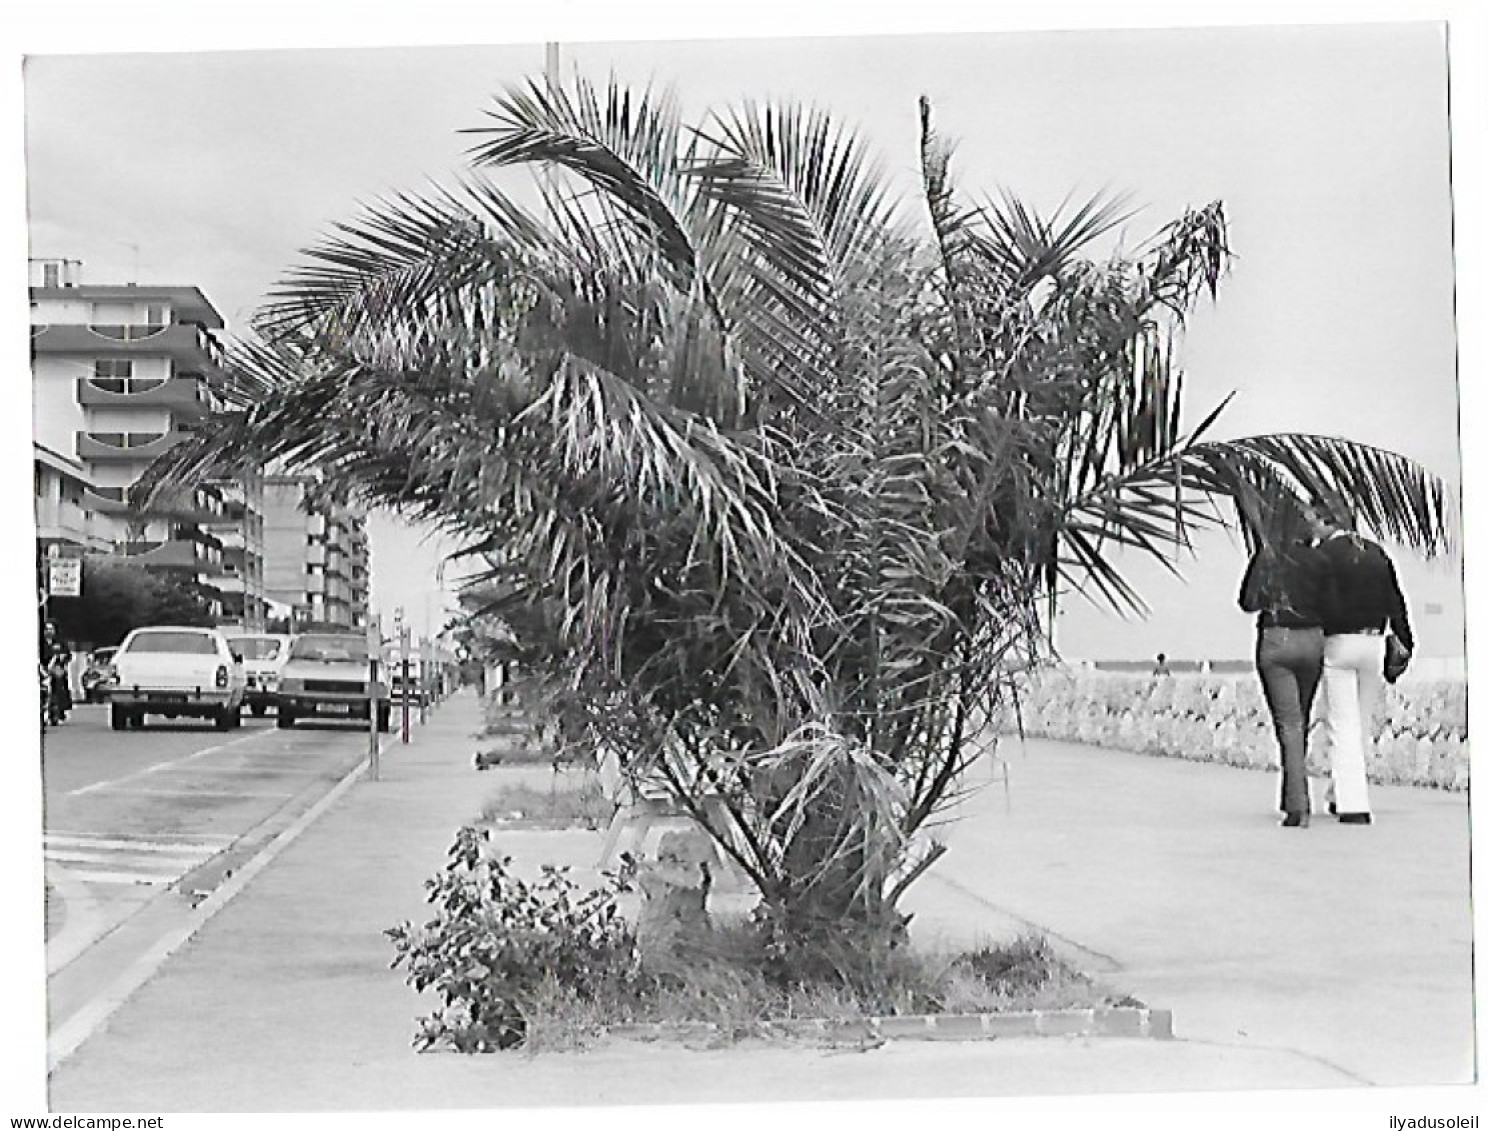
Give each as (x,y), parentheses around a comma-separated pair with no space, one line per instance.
(175,672)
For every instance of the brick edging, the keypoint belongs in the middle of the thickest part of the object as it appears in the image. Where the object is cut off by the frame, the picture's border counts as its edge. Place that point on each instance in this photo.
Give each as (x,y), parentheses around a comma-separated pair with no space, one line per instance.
(1120,1021)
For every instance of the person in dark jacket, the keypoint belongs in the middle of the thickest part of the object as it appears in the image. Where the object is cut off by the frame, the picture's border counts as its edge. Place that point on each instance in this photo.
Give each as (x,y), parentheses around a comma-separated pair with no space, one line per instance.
(1281,587)
(1360,600)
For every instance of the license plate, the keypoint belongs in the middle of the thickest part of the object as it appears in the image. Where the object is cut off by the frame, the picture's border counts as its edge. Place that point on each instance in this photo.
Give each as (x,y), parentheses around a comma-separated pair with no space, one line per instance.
(333,709)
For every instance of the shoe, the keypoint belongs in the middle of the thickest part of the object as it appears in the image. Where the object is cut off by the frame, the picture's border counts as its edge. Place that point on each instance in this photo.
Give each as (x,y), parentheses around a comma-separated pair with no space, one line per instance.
(1332,808)
(1355,819)
(1295,821)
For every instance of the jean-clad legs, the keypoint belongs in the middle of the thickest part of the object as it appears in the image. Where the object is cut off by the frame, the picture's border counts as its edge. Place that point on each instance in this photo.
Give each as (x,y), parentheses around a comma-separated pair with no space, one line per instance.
(1353,680)
(1290,663)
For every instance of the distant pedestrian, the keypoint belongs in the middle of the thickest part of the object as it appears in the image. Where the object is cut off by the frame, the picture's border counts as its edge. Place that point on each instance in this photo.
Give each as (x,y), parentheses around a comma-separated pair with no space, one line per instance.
(1281,587)
(1361,602)
(1161,668)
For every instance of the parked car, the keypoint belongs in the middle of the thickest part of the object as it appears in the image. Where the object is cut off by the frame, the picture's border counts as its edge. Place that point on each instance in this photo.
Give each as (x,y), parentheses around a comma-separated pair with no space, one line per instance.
(264,656)
(329,676)
(100,666)
(175,672)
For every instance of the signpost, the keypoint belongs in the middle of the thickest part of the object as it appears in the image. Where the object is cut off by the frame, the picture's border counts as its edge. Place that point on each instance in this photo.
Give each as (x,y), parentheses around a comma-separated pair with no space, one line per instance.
(374,655)
(402,630)
(426,682)
(65,577)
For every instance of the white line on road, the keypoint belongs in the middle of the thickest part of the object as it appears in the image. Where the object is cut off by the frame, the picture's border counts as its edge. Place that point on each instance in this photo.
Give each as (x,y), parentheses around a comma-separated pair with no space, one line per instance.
(200,793)
(65,1039)
(168,763)
(81,840)
(94,856)
(143,878)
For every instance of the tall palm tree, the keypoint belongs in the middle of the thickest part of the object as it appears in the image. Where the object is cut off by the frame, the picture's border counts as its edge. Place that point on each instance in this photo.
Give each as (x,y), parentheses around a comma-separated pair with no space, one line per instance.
(776,474)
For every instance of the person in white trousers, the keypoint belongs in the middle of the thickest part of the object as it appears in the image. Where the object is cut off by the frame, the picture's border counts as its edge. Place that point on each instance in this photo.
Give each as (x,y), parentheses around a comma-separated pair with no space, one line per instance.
(1360,601)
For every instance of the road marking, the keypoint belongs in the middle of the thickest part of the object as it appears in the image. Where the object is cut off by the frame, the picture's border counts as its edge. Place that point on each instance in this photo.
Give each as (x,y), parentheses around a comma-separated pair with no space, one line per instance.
(85,840)
(66,1038)
(156,767)
(200,793)
(134,879)
(118,860)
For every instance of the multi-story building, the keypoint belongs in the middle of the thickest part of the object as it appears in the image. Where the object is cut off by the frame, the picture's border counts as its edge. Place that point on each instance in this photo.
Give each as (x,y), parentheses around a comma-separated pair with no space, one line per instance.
(316,562)
(120,375)
(63,518)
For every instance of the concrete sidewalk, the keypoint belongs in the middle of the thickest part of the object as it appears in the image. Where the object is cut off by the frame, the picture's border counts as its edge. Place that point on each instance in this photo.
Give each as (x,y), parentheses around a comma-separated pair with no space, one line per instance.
(1328,957)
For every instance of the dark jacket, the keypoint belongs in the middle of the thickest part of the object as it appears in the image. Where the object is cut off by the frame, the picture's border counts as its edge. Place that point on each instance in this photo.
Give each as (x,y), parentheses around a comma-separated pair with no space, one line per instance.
(1358,589)
(1281,584)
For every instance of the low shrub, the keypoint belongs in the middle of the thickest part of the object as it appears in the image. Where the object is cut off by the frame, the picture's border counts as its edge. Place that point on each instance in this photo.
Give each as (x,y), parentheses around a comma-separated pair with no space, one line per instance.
(498,947)
(549,966)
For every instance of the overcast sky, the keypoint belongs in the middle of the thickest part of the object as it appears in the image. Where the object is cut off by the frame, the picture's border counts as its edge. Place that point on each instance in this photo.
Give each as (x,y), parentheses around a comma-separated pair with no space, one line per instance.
(1328,145)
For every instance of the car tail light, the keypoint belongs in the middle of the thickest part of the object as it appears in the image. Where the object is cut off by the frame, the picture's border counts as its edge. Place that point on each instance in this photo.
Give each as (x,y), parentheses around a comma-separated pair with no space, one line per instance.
(221,675)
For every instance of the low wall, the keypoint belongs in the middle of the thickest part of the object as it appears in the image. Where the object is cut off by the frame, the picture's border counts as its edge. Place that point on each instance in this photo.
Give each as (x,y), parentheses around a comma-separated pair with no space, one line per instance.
(1421,736)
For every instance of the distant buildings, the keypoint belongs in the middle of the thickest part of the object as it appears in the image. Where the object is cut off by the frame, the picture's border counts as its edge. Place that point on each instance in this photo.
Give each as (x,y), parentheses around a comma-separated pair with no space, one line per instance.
(317,566)
(120,374)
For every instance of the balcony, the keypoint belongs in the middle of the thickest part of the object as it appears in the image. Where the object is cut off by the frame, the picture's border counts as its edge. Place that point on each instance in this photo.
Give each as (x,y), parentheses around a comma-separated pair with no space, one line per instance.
(183,342)
(184,505)
(62,521)
(179,553)
(127,447)
(106,500)
(185,396)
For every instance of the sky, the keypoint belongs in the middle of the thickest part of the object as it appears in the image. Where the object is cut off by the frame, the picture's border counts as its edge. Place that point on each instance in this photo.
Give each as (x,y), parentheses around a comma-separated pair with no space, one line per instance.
(1328,145)
(214,159)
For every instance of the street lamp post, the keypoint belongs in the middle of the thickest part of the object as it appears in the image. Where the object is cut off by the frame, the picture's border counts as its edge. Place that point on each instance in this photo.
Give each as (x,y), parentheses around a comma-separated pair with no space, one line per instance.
(403,656)
(374,655)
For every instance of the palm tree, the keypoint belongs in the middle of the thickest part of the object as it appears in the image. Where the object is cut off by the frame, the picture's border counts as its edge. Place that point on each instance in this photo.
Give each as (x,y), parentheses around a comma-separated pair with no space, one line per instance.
(776,478)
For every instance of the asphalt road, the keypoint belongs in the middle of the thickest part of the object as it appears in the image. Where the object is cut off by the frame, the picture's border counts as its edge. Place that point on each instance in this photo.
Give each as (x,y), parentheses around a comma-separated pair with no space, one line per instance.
(141,825)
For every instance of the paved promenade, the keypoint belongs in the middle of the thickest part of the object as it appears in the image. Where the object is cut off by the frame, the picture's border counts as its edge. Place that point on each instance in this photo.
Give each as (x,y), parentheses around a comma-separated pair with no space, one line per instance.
(1333,957)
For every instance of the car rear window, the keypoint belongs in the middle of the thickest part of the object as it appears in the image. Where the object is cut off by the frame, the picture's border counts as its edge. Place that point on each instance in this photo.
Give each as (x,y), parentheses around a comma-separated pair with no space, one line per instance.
(194,643)
(328,648)
(256,647)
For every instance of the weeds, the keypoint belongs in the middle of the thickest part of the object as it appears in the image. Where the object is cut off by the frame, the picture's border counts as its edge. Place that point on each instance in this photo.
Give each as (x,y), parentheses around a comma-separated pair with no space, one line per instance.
(563,805)
(549,966)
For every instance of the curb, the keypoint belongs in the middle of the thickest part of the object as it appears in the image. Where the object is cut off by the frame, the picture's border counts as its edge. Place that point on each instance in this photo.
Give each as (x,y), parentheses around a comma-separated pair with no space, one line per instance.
(69,1037)
(1119,1021)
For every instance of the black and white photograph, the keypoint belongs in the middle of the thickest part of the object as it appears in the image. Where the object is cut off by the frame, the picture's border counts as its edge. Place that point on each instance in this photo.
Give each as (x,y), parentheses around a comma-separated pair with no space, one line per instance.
(606,568)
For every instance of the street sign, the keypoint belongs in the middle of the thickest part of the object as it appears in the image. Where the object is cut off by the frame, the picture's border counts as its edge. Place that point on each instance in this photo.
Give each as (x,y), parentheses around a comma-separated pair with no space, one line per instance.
(65,577)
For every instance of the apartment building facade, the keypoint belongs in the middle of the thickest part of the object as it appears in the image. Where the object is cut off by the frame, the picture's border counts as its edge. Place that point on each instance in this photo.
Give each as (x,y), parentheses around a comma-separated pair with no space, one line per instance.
(317,562)
(119,376)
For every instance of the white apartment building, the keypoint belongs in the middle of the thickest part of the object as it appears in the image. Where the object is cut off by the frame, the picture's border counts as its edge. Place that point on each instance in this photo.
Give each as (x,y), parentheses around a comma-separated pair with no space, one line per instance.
(120,375)
(316,556)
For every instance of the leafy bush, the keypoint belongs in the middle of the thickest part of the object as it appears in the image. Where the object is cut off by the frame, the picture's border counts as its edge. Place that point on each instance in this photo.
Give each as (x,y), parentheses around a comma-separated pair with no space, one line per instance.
(498,947)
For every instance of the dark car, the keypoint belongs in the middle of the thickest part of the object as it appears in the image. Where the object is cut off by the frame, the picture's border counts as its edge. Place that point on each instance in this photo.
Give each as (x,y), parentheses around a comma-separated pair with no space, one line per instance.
(328,676)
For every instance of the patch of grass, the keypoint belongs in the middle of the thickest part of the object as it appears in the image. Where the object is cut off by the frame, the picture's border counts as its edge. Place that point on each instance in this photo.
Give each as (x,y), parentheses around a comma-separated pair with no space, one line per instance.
(565,805)
(720,982)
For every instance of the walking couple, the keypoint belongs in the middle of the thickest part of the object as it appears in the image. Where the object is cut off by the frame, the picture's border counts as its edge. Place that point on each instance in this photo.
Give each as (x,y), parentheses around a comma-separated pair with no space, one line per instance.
(1330,614)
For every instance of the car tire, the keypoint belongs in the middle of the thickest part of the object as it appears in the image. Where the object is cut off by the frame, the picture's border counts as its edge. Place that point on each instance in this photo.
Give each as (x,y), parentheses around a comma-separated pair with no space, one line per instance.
(223,719)
(237,717)
(285,719)
(259,709)
(118,717)
(137,719)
